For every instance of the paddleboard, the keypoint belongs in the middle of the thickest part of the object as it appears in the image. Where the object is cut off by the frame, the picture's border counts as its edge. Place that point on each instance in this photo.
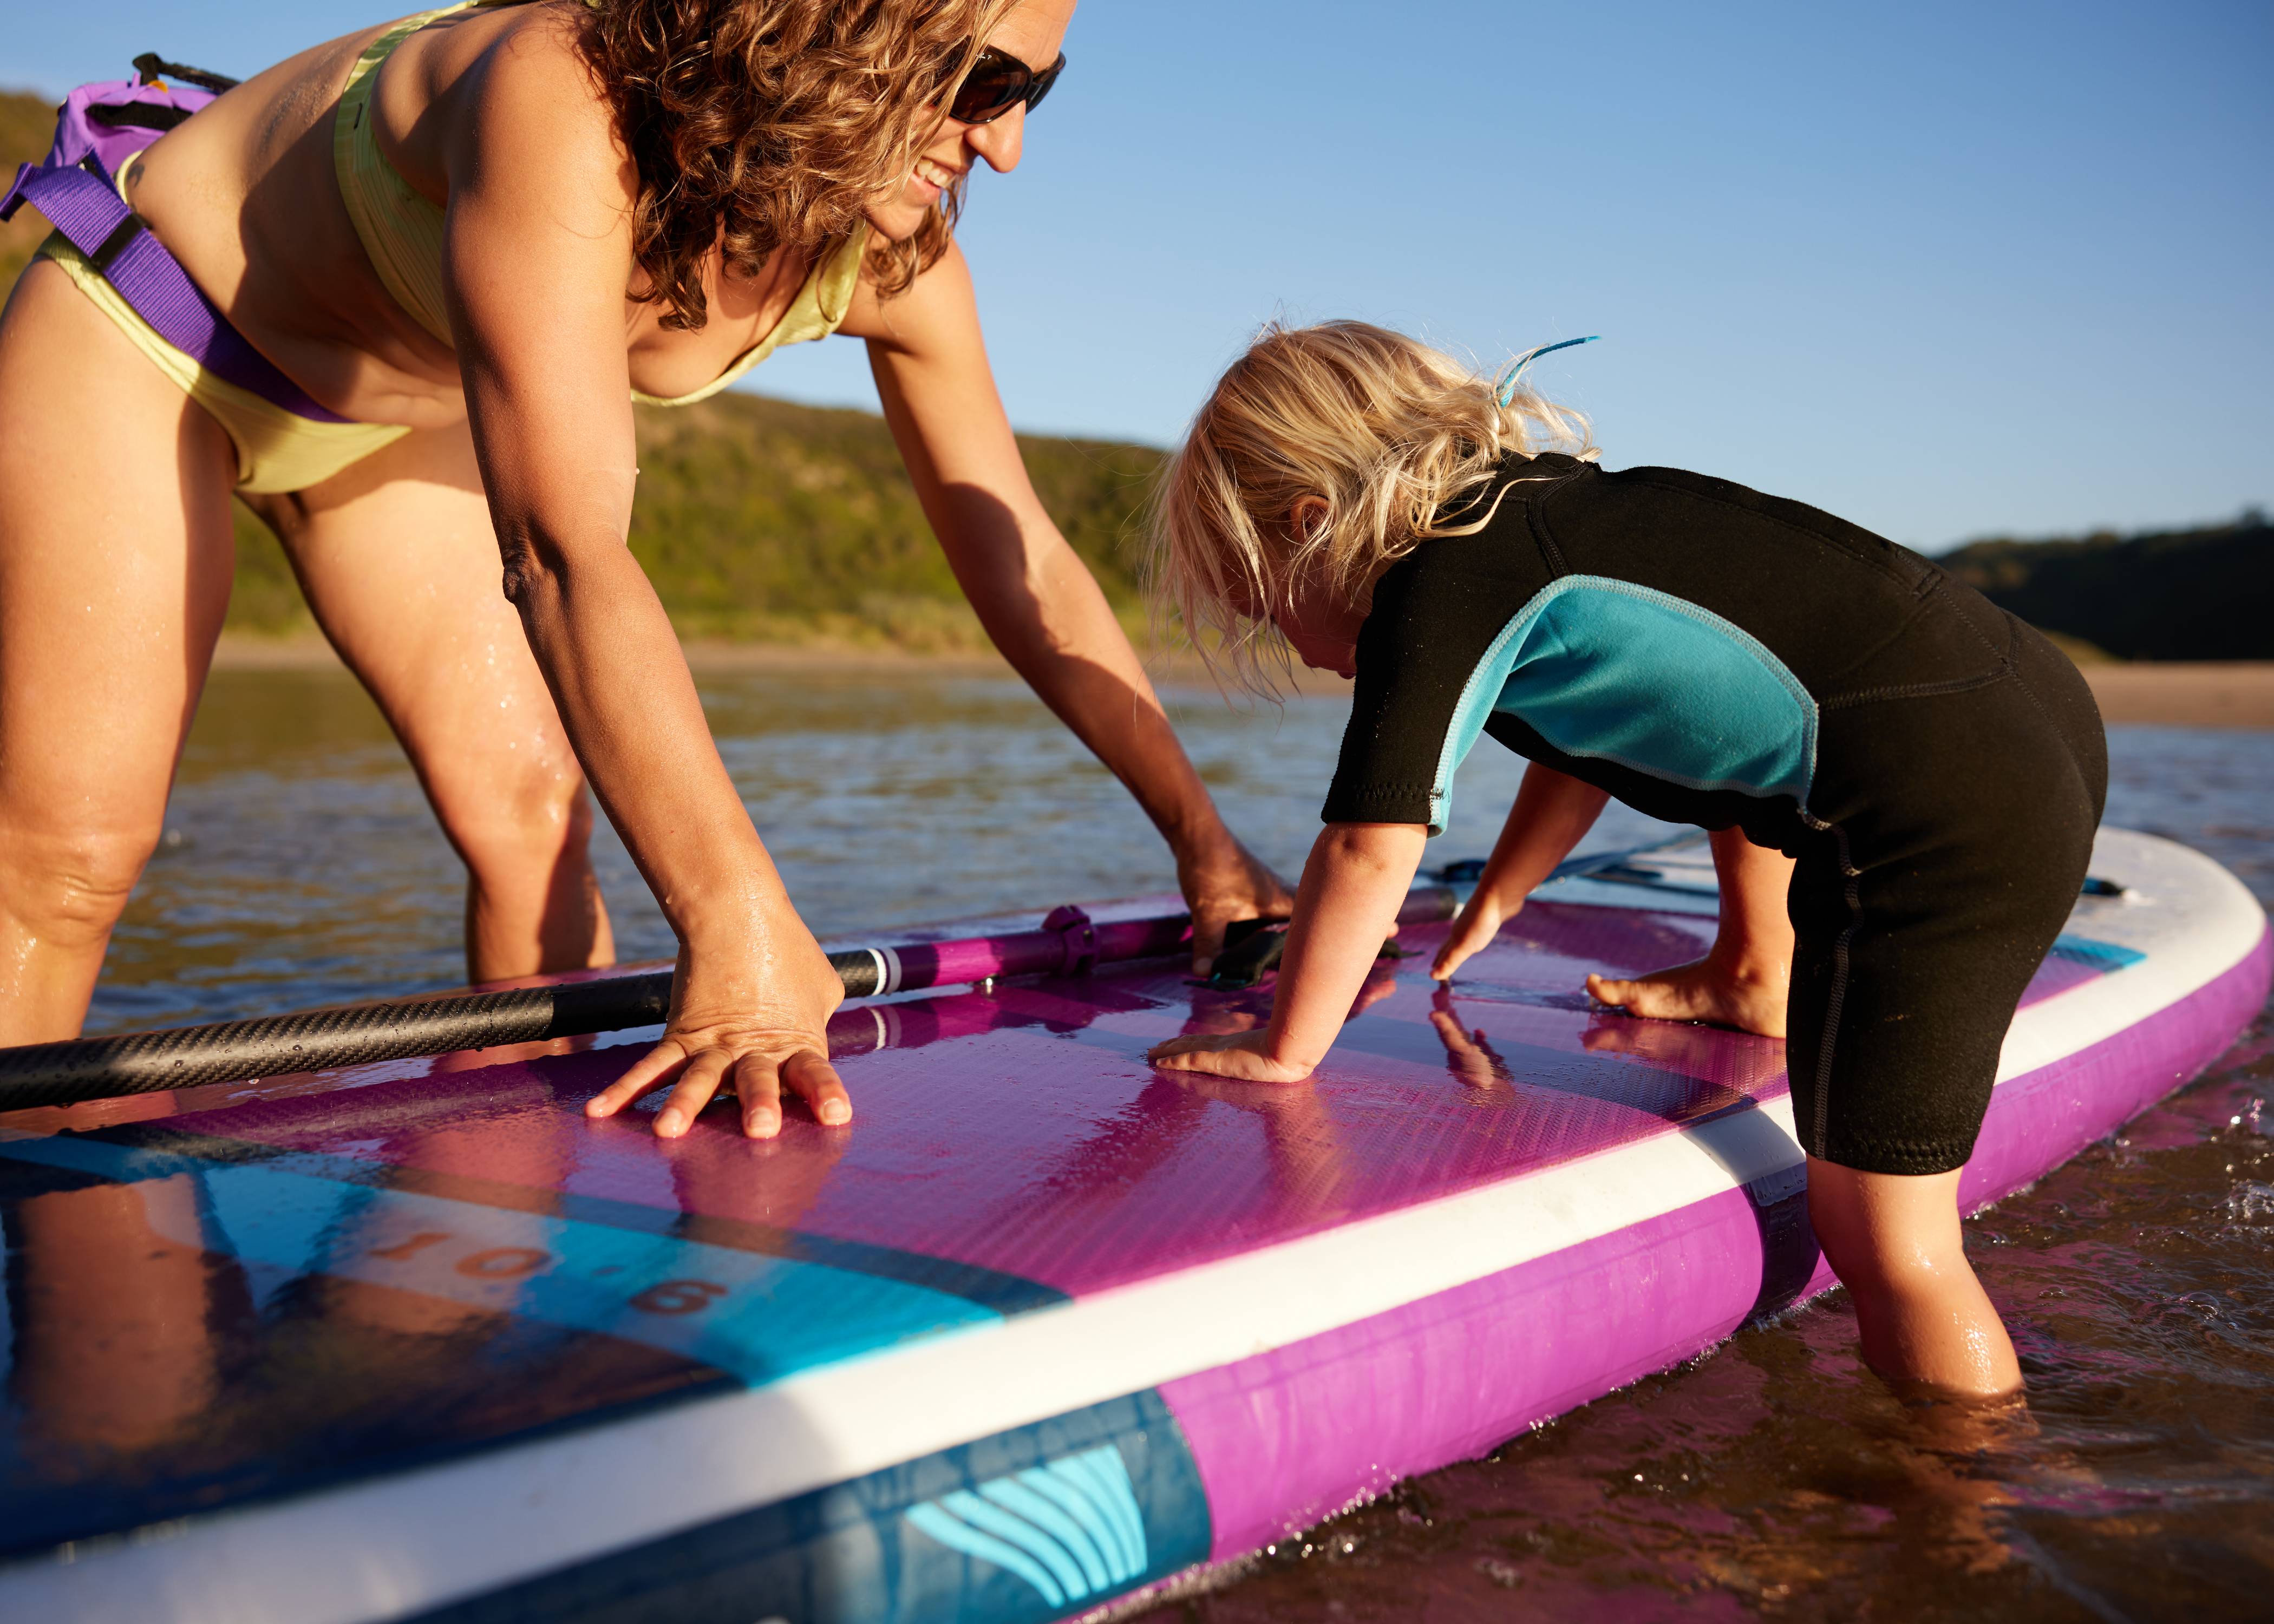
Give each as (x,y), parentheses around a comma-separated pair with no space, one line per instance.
(1040,1329)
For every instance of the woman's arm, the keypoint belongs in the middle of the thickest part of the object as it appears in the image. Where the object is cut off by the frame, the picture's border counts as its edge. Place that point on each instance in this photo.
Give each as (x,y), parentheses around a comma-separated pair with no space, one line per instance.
(538,256)
(1553,810)
(1352,887)
(1036,598)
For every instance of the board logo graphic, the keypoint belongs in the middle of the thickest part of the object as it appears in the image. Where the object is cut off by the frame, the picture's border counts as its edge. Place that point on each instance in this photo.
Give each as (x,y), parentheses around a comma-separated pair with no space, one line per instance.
(1071,1526)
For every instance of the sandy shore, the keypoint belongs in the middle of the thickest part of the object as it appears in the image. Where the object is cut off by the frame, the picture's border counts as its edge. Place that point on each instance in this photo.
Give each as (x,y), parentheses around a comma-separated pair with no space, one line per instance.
(2186,695)
(2173,695)
(311,652)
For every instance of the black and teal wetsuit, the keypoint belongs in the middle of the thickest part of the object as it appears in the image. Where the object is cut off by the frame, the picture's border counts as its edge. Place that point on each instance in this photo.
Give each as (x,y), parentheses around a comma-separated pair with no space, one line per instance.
(1709,655)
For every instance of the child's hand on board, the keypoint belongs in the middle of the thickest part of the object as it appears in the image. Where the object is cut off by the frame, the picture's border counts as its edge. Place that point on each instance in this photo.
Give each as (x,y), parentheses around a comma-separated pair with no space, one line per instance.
(1551,812)
(1244,1055)
(1478,923)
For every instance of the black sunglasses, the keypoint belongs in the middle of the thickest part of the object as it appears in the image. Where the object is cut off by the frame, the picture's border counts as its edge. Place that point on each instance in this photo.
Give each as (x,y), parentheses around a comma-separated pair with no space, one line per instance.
(998,82)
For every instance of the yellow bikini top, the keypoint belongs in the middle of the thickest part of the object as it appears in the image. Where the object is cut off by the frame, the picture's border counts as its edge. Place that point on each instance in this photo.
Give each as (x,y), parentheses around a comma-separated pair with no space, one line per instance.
(402,230)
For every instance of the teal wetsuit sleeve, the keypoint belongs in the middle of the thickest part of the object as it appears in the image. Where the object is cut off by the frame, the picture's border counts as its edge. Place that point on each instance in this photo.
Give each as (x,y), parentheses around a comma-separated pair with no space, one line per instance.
(1625,686)
(1608,670)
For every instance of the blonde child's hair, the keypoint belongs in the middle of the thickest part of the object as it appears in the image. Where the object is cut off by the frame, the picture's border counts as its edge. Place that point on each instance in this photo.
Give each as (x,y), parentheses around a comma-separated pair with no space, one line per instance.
(1387,432)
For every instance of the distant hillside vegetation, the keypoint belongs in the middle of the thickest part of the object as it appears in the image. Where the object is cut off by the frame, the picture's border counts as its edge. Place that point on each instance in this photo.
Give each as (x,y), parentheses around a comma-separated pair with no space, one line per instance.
(27,124)
(2205,594)
(762,521)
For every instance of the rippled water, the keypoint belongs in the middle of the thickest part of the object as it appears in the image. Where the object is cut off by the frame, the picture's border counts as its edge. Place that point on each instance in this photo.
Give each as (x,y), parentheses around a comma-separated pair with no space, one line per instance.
(1772,1480)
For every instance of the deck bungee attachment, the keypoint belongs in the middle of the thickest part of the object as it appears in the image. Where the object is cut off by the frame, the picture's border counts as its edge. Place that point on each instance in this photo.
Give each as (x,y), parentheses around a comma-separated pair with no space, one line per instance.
(99,128)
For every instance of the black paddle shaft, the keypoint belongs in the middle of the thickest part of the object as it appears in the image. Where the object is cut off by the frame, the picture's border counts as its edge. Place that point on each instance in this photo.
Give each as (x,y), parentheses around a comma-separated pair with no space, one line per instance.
(317,1040)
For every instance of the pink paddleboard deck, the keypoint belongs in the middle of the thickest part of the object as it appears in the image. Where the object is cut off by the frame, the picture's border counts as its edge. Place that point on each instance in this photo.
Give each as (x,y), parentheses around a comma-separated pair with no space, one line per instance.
(1041,1328)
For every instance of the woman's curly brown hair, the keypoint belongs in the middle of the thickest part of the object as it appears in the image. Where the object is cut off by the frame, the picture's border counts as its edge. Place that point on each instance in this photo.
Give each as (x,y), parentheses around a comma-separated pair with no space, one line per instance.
(759,125)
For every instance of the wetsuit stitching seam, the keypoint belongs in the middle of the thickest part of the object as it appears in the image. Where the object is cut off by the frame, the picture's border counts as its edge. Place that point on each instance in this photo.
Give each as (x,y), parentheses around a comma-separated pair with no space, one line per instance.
(1865,558)
(1544,538)
(1917,690)
(1918,611)
(1821,1126)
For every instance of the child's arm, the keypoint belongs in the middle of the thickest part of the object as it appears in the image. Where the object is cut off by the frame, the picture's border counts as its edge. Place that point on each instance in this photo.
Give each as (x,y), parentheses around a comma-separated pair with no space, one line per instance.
(1551,811)
(1352,887)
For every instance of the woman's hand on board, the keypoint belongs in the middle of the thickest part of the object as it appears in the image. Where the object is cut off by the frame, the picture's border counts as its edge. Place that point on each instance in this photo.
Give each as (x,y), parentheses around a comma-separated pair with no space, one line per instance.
(719,1036)
(1223,884)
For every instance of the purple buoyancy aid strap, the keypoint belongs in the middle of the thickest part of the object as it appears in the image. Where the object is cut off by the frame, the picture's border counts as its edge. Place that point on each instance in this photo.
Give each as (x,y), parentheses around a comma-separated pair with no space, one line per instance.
(72,190)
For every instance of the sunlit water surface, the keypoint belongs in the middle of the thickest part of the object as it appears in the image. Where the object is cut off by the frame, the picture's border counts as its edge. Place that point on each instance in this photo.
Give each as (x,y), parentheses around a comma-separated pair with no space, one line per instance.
(1773,1478)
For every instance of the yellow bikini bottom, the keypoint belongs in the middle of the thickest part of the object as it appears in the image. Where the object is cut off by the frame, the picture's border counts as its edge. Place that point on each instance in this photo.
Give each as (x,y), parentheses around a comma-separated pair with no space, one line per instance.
(276,450)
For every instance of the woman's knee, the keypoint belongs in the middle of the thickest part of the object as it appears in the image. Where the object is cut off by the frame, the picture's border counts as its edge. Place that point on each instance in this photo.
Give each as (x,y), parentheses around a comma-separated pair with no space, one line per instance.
(531,827)
(68,887)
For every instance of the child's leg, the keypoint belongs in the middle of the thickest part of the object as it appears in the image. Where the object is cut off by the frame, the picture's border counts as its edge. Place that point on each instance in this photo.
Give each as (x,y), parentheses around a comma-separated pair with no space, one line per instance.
(1743,980)
(1895,1242)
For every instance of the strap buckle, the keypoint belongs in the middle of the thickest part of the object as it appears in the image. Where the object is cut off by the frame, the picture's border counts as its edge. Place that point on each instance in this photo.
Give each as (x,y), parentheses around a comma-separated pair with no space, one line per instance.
(1074,929)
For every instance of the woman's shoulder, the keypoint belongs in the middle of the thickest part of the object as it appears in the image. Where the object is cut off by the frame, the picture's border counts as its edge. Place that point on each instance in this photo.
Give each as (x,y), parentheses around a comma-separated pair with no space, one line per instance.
(523,85)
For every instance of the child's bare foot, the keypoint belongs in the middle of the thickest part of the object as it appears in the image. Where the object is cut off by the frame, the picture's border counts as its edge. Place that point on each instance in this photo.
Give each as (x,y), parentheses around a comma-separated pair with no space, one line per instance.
(1751,999)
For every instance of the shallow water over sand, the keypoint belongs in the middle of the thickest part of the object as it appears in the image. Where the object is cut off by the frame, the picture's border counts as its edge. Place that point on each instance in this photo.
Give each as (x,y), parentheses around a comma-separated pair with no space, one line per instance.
(1772,1479)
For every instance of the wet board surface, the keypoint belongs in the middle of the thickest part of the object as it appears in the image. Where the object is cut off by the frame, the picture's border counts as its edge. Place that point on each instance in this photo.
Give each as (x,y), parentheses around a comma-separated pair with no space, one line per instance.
(419,1340)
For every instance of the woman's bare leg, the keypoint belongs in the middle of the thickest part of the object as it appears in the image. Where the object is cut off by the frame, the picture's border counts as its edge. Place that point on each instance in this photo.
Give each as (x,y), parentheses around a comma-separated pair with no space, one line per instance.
(1896,1244)
(401,567)
(116,559)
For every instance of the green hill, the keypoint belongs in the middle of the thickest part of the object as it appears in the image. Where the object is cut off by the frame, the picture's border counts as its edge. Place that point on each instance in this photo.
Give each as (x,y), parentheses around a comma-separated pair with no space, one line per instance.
(762,522)
(27,124)
(2201,594)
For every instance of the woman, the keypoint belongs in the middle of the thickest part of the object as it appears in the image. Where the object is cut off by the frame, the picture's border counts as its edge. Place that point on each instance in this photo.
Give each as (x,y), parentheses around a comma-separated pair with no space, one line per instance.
(466,242)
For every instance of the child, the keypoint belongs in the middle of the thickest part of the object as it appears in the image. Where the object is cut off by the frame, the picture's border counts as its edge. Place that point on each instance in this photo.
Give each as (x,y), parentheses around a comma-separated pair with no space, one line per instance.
(1932,768)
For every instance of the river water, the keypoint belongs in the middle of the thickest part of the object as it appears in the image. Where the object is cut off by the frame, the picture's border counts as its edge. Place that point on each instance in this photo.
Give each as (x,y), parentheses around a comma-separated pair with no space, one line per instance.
(1773,1478)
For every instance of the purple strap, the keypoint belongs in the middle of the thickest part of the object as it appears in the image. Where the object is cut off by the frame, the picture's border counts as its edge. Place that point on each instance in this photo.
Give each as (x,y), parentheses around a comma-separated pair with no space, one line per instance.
(87,211)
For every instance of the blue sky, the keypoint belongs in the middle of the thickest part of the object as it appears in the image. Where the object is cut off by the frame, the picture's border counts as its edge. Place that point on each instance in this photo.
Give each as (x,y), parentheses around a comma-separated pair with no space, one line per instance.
(1945,269)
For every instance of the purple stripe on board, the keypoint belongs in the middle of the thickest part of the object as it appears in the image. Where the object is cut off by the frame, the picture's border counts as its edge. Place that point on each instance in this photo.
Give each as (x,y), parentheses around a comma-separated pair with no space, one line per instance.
(1290,1436)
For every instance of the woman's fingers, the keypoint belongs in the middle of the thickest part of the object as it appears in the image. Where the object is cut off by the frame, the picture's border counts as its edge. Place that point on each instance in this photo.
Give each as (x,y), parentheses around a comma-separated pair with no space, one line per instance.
(651,1070)
(696,1084)
(1229,887)
(1207,940)
(757,1087)
(815,1082)
(758,1074)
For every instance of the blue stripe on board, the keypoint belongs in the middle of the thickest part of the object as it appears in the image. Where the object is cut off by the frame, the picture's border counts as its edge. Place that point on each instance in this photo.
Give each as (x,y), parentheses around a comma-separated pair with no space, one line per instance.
(2103,956)
(1071,1528)
(1027,1525)
(755,1317)
(155,1150)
